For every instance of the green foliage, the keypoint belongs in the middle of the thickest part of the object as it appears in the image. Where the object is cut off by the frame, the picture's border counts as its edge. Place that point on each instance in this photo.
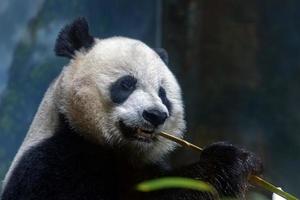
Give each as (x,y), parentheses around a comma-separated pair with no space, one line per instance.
(192,184)
(176,182)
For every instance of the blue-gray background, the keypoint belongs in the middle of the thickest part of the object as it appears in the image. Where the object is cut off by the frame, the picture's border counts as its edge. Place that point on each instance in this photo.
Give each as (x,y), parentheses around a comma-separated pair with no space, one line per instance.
(238,63)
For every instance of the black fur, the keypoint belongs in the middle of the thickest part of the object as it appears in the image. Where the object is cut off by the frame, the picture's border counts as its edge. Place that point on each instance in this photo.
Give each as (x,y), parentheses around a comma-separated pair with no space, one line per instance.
(66,166)
(121,89)
(163,96)
(73,37)
(162,54)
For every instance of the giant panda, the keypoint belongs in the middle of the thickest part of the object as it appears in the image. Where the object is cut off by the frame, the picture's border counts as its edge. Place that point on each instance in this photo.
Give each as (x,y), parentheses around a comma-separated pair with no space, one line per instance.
(95,134)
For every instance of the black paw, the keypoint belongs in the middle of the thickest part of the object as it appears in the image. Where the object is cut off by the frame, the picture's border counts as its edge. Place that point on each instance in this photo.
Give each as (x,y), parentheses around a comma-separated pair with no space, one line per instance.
(228,167)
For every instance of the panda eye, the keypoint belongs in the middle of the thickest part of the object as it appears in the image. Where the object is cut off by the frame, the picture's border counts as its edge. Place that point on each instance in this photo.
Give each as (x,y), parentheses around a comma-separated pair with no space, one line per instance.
(163,96)
(128,83)
(162,92)
(122,88)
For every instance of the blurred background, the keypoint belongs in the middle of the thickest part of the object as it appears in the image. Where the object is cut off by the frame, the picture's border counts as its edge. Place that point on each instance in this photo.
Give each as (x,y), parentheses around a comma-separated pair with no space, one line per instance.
(238,63)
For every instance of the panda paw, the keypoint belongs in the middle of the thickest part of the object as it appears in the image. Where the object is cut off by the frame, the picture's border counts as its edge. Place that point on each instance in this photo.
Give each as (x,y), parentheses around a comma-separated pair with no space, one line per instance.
(228,168)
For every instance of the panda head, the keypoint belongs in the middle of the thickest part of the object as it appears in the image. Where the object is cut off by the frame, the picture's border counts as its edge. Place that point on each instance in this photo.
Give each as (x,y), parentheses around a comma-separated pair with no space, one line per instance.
(118,91)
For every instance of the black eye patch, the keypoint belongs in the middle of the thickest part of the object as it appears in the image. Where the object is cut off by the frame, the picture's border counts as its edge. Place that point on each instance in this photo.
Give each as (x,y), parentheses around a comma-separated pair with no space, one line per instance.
(122,89)
(163,96)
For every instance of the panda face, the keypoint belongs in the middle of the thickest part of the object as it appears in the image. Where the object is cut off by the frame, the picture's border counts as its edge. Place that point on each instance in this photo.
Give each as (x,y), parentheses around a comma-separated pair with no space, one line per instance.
(140,118)
(123,94)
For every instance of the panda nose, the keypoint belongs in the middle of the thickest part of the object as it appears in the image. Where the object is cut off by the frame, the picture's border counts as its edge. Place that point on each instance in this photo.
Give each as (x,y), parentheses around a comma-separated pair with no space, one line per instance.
(155,117)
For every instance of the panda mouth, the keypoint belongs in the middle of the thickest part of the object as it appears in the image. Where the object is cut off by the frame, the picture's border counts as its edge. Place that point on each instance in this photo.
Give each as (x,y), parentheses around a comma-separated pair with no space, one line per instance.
(138,133)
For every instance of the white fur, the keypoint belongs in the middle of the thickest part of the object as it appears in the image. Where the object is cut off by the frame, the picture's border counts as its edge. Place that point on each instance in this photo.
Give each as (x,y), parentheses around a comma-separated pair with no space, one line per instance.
(81,92)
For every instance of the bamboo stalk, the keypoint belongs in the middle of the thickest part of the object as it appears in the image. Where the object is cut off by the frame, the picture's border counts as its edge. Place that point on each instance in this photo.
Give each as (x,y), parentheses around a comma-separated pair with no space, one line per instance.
(255,180)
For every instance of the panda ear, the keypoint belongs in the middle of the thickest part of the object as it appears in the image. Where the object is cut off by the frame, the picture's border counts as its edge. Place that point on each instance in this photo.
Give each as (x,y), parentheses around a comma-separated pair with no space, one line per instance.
(73,37)
(162,54)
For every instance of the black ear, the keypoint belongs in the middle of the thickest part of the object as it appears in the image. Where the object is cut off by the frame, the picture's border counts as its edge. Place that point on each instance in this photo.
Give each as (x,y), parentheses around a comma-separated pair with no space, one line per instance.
(73,37)
(162,54)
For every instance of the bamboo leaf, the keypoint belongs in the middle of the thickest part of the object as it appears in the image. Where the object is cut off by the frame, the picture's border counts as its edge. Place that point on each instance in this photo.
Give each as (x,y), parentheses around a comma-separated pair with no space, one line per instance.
(175,182)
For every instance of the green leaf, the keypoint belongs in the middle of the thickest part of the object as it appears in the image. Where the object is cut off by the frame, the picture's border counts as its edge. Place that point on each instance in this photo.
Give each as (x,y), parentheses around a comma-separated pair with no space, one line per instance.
(175,182)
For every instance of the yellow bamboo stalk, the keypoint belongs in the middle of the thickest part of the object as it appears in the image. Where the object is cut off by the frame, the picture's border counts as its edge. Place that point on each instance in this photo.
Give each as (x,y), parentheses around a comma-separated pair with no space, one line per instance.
(255,180)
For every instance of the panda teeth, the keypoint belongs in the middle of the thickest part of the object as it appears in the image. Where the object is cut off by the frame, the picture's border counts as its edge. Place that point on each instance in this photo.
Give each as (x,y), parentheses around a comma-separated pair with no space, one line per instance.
(139,131)
(145,133)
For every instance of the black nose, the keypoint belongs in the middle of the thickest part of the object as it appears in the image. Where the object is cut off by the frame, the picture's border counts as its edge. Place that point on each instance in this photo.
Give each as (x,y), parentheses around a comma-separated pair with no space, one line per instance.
(155,117)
